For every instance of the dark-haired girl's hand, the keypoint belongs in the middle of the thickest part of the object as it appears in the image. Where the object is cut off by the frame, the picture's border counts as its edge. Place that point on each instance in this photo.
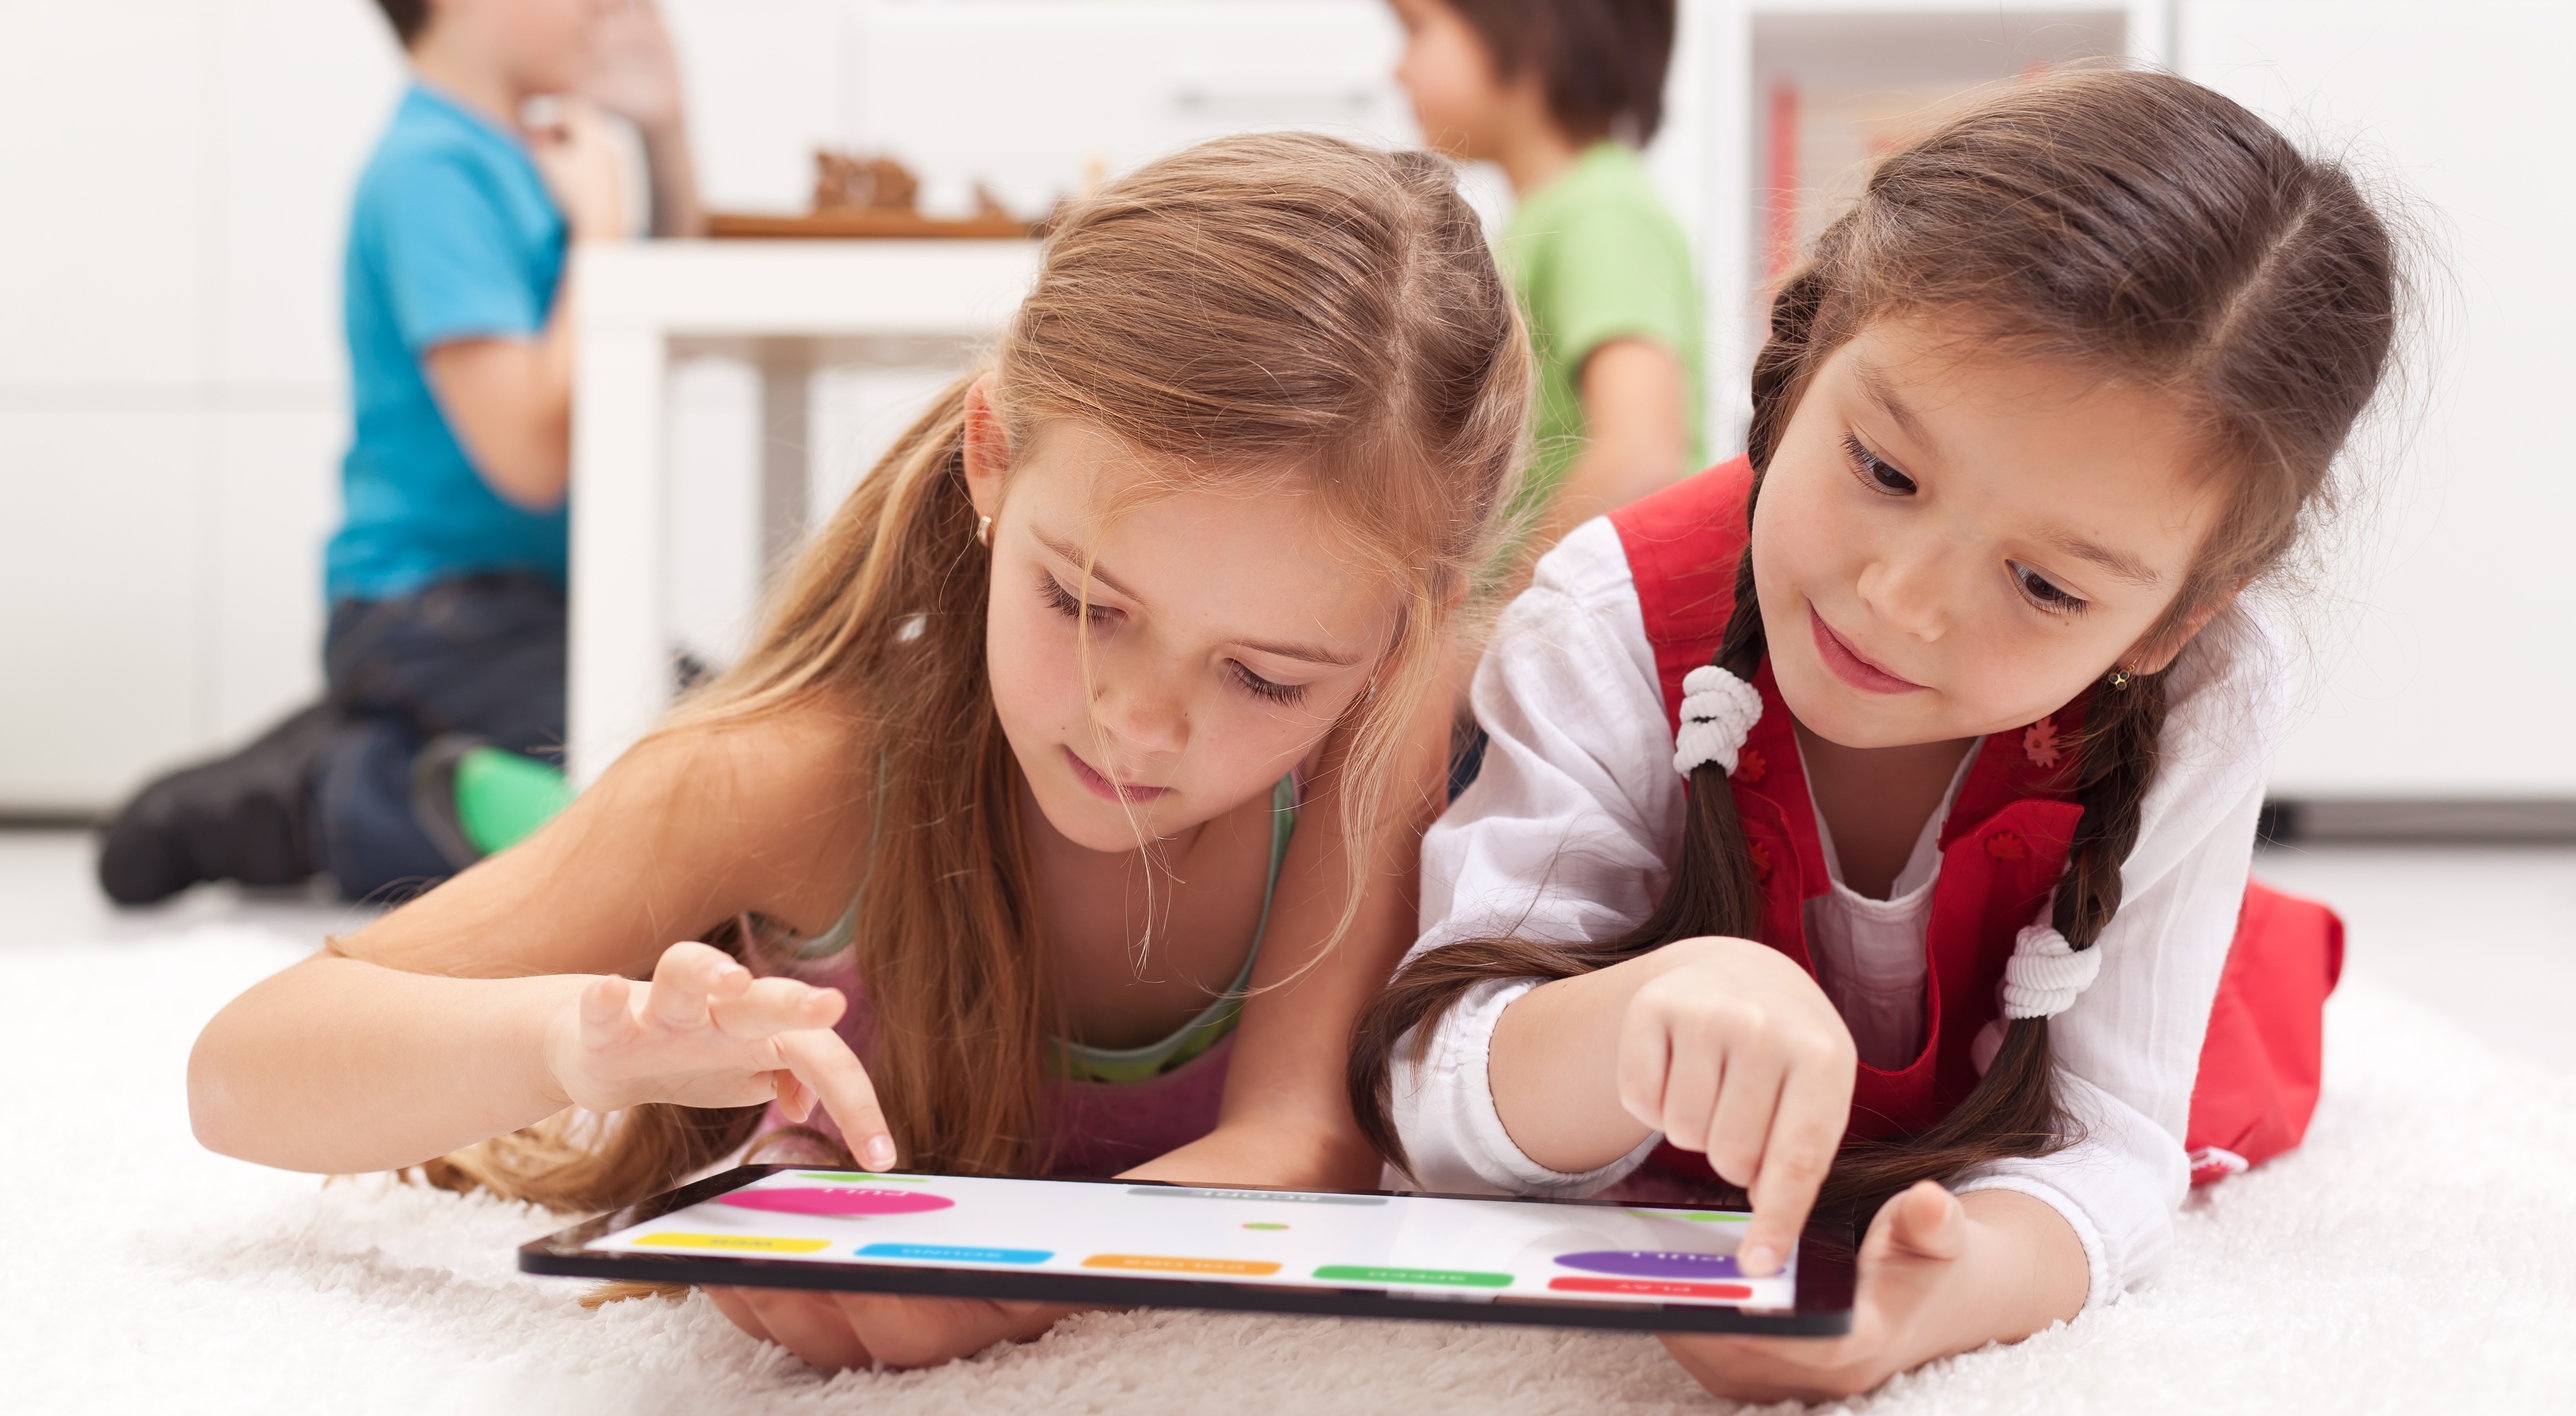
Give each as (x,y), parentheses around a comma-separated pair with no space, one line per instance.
(1732,1050)
(704,1032)
(1939,1273)
(1725,1046)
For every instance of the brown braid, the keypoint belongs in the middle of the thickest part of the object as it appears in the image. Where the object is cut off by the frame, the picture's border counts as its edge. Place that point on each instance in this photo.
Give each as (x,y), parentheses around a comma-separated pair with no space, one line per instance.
(2129,221)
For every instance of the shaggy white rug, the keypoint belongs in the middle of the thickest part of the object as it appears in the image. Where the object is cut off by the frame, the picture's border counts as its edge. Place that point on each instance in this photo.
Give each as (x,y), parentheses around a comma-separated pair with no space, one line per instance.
(2414,1256)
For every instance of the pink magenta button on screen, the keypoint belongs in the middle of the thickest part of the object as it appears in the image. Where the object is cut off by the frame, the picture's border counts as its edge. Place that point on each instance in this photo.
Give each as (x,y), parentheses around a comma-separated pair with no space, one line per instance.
(837,1201)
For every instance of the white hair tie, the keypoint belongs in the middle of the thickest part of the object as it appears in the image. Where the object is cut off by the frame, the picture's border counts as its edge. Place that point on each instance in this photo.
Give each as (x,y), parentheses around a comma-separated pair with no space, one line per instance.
(2045,973)
(1718,711)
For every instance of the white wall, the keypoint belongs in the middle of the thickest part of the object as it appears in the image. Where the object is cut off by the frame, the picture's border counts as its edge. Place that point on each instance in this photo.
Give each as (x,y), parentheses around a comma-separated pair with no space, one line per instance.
(2443,656)
(171,401)
(171,392)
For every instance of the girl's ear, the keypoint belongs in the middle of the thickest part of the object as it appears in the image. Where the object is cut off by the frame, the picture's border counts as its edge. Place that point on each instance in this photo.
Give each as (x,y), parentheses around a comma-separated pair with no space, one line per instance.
(988,449)
(2153,655)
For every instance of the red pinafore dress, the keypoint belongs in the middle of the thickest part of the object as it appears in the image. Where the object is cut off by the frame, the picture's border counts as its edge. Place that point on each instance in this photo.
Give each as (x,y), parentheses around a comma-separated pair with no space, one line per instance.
(2003,847)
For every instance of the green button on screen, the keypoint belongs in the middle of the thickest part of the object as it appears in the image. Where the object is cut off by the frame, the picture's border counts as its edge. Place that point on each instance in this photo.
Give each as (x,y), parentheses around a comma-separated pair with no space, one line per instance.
(1352,1273)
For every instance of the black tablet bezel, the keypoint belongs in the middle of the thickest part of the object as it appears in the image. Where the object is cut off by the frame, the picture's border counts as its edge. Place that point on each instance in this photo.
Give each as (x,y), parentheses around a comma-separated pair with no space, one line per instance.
(1822,1308)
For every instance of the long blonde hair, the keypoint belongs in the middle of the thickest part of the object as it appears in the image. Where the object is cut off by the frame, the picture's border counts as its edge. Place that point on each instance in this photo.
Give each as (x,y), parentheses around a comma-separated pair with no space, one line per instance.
(1271,312)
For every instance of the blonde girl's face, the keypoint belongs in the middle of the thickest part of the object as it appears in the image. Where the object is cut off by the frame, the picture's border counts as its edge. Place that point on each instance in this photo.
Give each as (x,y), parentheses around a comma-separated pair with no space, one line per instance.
(1953,542)
(1226,635)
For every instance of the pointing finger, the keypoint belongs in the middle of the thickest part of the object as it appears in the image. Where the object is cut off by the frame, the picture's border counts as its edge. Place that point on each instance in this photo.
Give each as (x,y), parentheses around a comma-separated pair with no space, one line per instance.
(1806,1129)
(822,1061)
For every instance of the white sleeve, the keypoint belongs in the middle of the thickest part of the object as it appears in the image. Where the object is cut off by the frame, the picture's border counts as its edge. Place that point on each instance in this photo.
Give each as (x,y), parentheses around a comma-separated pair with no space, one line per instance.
(2128,1051)
(1564,836)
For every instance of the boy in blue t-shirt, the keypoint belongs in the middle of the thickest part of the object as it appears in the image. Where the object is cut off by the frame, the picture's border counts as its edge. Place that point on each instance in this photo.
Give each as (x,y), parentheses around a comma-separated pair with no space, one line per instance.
(445,651)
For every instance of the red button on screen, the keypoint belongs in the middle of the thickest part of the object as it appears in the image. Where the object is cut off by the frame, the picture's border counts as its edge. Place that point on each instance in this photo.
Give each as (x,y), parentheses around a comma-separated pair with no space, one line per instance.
(1651,1288)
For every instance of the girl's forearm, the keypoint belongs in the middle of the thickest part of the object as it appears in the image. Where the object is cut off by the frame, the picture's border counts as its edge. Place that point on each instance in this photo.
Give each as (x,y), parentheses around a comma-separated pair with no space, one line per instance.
(2024,1269)
(1274,1152)
(340,1066)
(1553,1066)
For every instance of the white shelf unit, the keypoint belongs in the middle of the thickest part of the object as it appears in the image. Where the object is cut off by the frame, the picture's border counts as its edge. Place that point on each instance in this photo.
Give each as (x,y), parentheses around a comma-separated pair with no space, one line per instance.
(1878,58)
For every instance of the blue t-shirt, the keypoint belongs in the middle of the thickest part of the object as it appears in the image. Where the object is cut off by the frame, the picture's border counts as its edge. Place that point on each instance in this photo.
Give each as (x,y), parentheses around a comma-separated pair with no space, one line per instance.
(453,237)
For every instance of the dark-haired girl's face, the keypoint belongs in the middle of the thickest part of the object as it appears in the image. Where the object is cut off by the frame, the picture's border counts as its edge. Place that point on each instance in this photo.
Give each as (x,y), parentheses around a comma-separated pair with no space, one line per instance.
(1952,541)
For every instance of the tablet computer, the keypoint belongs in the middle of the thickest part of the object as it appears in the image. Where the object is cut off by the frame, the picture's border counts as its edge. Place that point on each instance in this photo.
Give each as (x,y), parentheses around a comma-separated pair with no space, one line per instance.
(1560,1263)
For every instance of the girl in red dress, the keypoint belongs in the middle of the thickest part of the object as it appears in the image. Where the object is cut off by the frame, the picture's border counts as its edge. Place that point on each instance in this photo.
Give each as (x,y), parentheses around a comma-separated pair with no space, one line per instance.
(1871,815)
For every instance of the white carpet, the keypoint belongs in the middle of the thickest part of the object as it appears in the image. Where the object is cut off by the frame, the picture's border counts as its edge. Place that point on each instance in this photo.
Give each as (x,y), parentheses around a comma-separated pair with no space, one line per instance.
(2415,1256)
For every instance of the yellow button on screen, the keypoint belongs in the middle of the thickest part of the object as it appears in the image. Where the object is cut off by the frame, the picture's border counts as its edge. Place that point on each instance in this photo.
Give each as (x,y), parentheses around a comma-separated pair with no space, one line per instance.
(1159,1263)
(741,1243)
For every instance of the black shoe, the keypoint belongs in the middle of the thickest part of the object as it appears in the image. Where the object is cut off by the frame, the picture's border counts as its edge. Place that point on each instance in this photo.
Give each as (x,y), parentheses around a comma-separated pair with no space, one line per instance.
(242,817)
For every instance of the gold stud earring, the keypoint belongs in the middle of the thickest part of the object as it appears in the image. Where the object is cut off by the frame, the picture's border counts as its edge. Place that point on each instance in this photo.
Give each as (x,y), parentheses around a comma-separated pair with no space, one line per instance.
(984,532)
(2118,678)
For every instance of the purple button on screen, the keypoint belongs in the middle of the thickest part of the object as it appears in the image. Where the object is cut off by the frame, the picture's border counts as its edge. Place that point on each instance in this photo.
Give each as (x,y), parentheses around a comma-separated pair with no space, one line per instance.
(1653,1263)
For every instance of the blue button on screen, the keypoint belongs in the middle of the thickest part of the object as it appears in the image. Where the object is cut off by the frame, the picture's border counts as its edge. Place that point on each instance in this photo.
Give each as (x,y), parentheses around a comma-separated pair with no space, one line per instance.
(946,1254)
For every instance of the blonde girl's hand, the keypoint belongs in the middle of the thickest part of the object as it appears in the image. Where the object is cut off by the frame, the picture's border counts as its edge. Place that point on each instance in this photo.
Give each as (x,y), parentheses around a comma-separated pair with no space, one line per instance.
(840,1330)
(704,1032)
(1939,1274)
(1732,1050)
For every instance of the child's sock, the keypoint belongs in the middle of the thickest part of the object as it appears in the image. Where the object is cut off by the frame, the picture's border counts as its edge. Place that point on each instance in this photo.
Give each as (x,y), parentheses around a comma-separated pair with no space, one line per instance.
(502,797)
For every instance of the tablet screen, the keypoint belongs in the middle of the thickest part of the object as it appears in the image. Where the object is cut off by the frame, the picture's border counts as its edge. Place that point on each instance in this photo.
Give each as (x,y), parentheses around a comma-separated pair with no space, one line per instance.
(1415,1246)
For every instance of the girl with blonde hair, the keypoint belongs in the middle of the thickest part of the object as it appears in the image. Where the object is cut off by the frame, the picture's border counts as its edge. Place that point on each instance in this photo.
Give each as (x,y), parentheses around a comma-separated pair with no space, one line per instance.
(1061,818)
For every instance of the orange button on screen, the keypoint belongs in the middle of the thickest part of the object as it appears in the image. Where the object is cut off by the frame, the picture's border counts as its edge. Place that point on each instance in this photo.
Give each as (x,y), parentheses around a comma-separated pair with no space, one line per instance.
(1162,1263)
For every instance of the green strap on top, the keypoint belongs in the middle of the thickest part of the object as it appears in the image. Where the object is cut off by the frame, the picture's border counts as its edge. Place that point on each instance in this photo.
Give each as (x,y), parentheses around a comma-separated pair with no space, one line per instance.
(1076,1062)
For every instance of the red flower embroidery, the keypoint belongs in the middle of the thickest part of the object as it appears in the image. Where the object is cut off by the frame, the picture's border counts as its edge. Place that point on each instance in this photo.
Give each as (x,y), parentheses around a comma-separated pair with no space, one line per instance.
(1749,766)
(2007,845)
(2039,744)
(1761,862)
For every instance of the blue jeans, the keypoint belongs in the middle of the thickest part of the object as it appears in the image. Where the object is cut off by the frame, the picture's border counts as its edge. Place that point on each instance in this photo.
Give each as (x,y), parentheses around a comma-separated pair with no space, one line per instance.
(481,655)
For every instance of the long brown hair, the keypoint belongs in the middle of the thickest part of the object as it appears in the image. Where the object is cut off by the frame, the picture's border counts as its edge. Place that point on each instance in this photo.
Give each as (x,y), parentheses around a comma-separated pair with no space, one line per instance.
(2123,221)
(1284,311)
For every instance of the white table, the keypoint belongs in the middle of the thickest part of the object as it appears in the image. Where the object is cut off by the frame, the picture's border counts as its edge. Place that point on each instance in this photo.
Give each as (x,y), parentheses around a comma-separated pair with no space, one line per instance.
(788,307)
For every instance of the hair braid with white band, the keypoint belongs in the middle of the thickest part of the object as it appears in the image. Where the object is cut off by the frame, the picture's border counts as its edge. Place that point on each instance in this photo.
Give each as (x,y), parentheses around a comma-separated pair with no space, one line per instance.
(2045,974)
(1718,713)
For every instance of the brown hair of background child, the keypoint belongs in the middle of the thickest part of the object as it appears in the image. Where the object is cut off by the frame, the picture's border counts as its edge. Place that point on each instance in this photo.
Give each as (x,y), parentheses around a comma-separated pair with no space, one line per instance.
(1280,312)
(408,17)
(1600,62)
(2123,221)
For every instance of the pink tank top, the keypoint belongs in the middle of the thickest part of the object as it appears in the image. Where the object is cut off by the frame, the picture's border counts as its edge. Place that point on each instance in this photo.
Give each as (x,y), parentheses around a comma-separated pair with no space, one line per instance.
(1094,1129)
(1097,1129)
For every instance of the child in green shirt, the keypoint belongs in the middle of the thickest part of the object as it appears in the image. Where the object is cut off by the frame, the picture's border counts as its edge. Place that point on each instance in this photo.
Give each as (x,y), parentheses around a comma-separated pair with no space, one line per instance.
(1558,93)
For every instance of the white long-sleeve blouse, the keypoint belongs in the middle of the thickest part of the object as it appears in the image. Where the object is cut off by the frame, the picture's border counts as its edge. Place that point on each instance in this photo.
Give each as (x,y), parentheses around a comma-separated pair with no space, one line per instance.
(1568,832)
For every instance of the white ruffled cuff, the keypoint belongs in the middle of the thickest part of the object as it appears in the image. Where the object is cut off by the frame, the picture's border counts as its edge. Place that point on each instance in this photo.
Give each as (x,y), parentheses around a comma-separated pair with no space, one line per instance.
(1444,1111)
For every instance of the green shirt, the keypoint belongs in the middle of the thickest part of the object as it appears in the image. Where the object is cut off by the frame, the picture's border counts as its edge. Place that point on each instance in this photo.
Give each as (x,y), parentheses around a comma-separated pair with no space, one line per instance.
(1594,256)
